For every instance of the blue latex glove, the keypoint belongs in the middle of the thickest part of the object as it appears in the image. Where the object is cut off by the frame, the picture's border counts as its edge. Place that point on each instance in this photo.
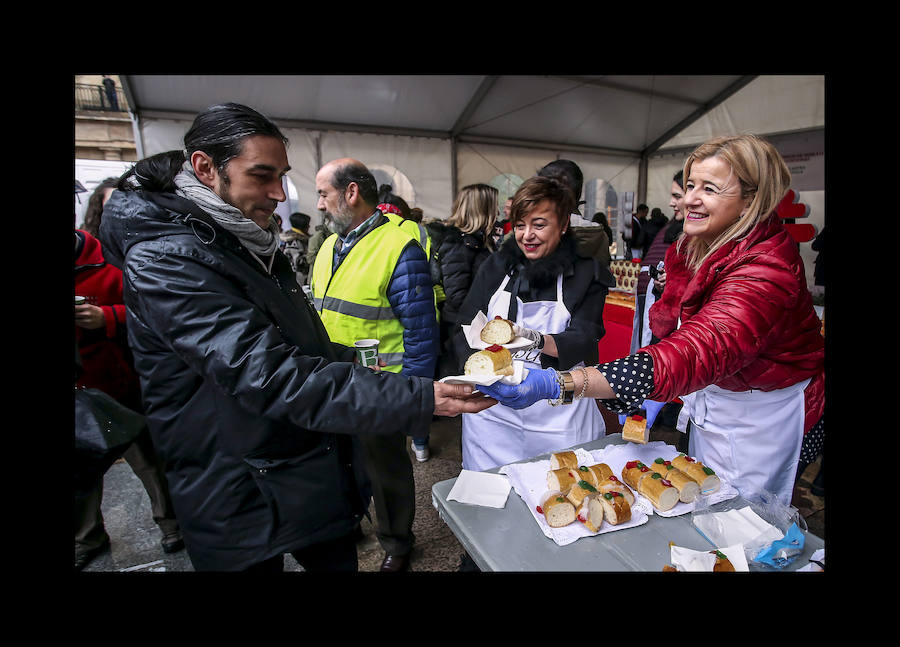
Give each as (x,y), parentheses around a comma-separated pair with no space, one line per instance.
(539,384)
(652,407)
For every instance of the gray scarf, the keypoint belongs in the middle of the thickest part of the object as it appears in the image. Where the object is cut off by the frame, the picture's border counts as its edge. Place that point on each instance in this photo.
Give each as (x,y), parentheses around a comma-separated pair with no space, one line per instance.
(251,235)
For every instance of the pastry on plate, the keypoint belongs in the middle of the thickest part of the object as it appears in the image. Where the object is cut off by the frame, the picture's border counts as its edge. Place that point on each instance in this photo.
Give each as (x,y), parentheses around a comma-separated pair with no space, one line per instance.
(498,331)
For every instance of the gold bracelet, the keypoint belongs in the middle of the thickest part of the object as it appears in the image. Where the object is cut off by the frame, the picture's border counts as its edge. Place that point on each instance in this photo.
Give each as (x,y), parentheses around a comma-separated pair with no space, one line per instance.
(562,385)
(566,389)
(585,385)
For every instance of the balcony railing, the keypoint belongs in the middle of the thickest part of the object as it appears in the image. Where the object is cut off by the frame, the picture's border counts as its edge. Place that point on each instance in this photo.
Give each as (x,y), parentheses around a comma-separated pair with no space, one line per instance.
(95,97)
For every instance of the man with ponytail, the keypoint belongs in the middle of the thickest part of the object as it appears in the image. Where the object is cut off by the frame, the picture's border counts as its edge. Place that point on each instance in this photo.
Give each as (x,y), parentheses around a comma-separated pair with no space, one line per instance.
(254,410)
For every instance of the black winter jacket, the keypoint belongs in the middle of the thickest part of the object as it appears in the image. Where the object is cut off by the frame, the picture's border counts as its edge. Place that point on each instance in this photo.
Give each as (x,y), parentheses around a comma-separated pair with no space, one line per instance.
(244,398)
(651,227)
(459,255)
(586,283)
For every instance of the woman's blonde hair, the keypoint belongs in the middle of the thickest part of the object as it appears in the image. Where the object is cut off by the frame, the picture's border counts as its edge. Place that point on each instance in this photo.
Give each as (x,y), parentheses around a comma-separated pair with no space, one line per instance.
(764,179)
(476,209)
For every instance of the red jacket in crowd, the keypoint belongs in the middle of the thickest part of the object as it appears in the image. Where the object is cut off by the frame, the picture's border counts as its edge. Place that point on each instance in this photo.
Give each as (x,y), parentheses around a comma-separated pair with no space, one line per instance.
(105,357)
(747,322)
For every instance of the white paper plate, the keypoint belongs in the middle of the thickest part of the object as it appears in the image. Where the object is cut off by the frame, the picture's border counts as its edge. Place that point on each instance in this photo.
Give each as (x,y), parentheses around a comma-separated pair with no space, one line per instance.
(515,344)
(519,373)
(472,334)
(529,481)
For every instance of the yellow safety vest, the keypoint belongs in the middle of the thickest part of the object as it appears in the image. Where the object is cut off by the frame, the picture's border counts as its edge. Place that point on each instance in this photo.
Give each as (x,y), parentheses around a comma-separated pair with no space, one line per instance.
(413,228)
(352,301)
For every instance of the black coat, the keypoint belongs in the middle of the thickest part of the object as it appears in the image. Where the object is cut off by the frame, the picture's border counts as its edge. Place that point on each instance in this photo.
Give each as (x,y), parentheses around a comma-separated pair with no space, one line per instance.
(818,245)
(651,227)
(244,399)
(586,283)
(459,255)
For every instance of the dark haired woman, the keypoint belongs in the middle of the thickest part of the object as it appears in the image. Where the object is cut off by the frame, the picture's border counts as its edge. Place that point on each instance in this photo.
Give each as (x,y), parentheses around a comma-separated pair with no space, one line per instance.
(94,209)
(556,298)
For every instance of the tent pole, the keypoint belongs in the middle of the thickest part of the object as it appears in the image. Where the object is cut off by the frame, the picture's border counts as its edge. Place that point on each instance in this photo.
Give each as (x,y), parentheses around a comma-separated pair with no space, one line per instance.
(318,139)
(137,133)
(642,178)
(454,170)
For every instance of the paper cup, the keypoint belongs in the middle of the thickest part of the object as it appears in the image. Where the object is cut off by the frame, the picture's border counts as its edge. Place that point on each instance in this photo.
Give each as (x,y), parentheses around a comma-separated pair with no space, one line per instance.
(367,352)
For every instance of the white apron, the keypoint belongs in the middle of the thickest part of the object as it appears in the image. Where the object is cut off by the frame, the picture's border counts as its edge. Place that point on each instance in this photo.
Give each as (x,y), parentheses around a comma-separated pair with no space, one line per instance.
(750,438)
(641,321)
(501,435)
(649,300)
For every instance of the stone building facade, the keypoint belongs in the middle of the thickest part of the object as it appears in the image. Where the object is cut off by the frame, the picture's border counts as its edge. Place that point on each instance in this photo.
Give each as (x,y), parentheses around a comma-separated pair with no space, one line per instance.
(103,130)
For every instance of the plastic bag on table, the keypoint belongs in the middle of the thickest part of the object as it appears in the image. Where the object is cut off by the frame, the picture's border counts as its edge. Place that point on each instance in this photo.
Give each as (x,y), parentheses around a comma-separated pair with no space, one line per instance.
(770,531)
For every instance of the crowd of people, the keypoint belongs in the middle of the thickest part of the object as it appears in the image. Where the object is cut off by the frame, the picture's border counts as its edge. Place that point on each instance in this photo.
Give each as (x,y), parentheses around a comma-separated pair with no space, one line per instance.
(266,436)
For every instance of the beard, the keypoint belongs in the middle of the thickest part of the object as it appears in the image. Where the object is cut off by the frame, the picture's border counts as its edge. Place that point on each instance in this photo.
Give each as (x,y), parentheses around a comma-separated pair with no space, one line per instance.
(223,190)
(338,222)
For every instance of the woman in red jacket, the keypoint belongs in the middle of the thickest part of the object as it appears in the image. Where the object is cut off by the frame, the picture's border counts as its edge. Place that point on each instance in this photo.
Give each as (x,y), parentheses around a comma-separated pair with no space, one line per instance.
(740,342)
(107,366)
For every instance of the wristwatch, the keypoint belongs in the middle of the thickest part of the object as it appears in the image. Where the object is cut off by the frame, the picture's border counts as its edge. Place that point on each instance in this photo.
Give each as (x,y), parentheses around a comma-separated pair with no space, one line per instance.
(566,388)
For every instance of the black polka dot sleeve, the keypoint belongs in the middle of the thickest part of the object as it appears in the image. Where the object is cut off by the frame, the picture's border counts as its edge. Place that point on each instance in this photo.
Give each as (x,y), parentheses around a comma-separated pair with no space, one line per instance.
(632,380)
(813,443)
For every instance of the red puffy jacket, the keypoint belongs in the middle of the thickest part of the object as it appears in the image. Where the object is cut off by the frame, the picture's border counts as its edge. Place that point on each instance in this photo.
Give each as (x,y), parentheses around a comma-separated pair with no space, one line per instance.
(747,322)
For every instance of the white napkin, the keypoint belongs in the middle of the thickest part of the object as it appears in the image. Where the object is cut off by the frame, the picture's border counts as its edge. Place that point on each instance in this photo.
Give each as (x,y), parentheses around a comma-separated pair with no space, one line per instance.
(519,374)
(819,556)
(480,488)
(739,526)
(685,559)
(472,332)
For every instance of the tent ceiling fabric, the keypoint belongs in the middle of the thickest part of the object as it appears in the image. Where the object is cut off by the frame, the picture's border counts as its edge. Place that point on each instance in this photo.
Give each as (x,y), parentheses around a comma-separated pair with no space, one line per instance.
(629,115)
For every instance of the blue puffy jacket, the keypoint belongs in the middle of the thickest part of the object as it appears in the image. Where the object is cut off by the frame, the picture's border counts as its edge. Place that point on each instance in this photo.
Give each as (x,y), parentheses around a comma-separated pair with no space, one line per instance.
(411,294)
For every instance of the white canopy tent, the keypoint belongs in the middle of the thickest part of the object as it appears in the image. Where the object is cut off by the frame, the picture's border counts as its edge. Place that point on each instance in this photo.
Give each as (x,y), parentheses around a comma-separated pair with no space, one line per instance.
(429,135)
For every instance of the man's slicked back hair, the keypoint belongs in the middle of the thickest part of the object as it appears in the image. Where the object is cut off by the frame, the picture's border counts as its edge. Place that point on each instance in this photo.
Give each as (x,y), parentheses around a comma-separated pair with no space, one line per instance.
(220,131)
